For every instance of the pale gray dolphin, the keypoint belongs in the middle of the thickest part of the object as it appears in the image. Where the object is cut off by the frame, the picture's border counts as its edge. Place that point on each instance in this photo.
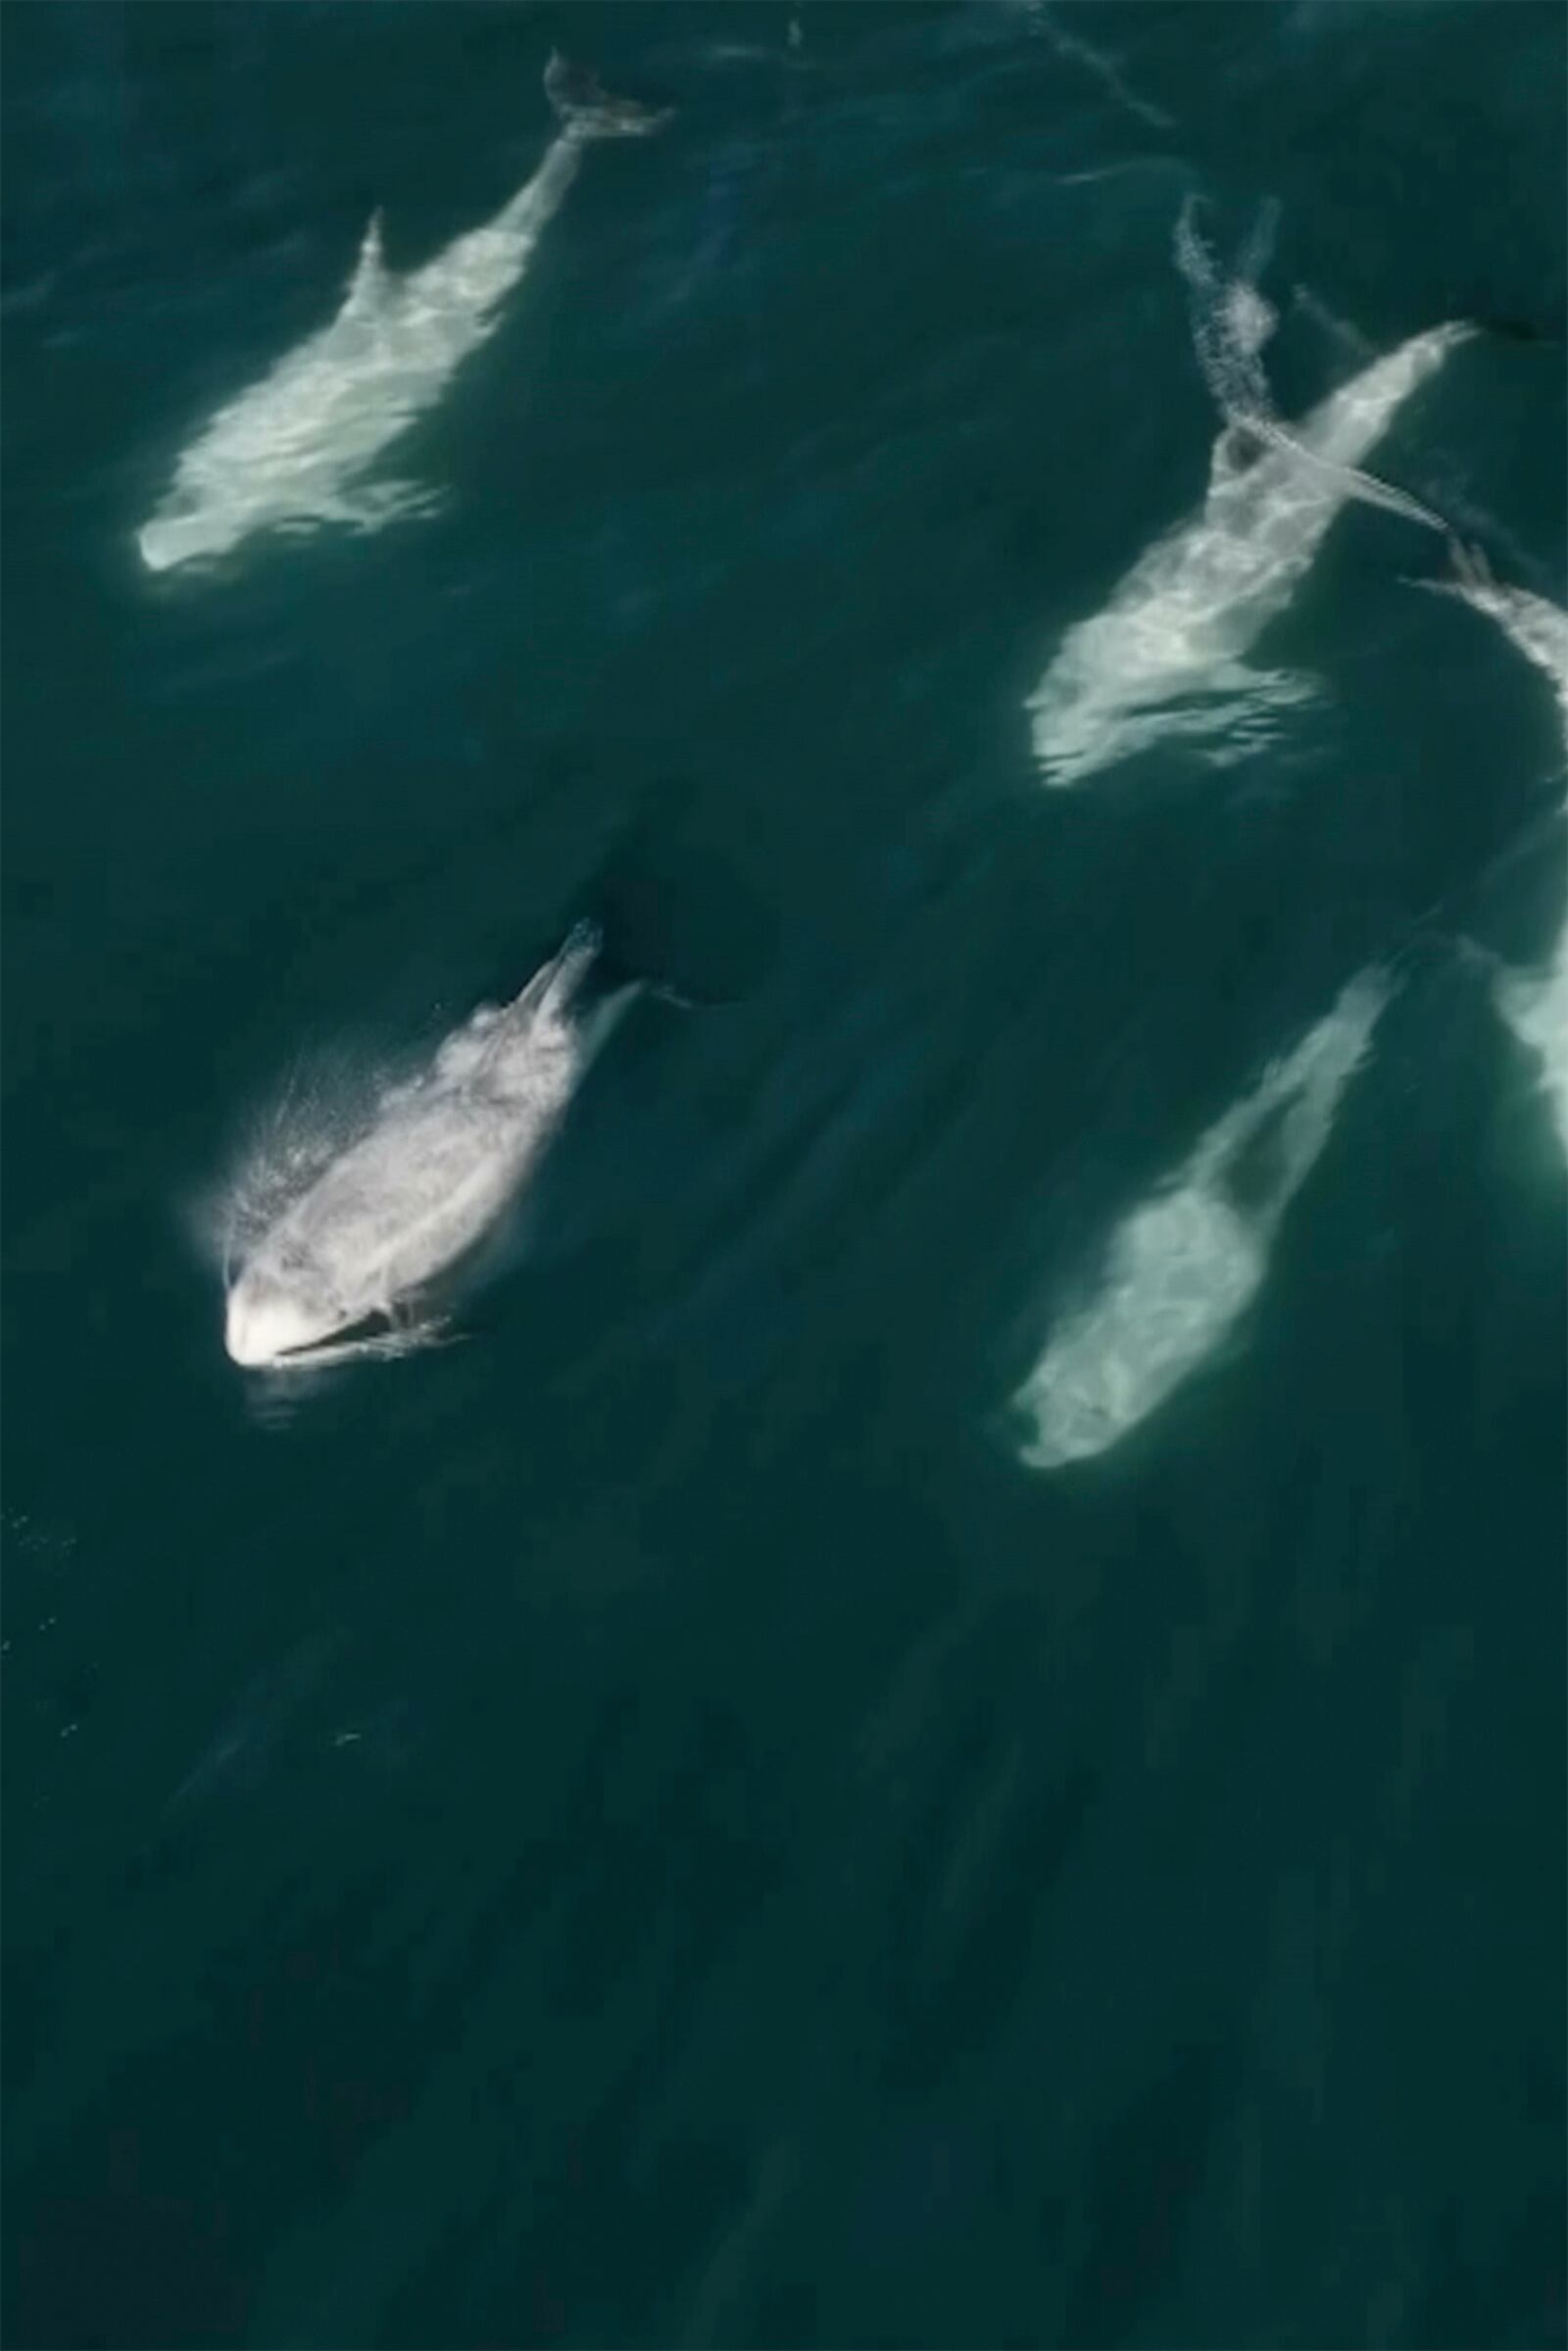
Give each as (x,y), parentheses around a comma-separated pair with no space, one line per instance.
(1166,657)
(442,1160)
(1182,1267)
(295,450)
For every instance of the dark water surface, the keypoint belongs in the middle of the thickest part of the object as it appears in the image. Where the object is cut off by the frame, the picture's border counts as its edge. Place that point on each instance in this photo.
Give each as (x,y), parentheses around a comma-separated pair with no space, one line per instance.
(650,1825)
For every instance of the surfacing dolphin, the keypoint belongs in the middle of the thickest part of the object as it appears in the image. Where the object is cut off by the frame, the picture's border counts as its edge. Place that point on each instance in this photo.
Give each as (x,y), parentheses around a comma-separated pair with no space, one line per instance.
(1166,657)
(349,1266)
(1182,1268)
(293,452)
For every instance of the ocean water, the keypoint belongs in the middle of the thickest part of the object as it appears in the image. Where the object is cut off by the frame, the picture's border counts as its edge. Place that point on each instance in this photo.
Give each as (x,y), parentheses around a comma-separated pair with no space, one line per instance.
(681,1816)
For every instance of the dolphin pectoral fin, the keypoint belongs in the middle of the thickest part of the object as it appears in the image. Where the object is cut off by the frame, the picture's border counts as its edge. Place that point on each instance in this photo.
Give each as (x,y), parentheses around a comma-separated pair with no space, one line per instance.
(383,502)
(1242,685)
(363,510)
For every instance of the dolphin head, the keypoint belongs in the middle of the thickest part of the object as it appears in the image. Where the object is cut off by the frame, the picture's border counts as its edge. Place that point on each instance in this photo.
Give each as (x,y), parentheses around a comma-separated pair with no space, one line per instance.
(1068,1427)
(185,532)
(270,1317)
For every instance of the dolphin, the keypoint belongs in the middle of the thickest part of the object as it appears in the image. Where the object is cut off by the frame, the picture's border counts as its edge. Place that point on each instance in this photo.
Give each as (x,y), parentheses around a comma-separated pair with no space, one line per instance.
(1166,657)
(293,451)
(1533,1004)
(349,1265)
(1184,1265)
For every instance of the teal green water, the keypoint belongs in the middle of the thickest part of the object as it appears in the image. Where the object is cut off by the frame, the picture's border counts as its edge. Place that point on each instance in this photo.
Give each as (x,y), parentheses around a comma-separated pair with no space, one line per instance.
(651,1824)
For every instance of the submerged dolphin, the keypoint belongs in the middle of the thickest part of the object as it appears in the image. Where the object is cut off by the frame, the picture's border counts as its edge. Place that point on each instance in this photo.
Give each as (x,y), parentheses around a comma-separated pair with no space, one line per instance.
(1166,657)
(291,452)
(442,1161)
(1182,1268)
(1535,1005)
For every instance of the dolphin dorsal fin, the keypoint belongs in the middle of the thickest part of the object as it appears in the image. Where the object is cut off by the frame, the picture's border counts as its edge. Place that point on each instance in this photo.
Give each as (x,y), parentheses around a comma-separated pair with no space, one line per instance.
(371,279)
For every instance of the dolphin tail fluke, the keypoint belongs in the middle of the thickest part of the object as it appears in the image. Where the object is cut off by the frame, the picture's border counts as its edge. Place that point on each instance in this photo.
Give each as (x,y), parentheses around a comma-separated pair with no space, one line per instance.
(588,111)
(1469,575)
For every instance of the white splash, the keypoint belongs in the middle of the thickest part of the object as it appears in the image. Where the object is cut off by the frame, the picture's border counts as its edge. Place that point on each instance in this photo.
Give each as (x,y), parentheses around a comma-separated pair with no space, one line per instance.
(1535,1005)
(292,452)
(1165,658)
(1182,1268)
(330,1234)
(1231,323)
